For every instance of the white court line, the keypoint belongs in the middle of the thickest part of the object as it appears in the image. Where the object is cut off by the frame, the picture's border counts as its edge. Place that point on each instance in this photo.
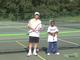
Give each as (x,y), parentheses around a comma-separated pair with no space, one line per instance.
(41,57)
(20,44)
(69,42)
(25,47)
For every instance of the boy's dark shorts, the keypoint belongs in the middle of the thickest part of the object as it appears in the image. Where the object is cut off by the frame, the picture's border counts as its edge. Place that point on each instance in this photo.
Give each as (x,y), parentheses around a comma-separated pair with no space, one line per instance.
(33,39)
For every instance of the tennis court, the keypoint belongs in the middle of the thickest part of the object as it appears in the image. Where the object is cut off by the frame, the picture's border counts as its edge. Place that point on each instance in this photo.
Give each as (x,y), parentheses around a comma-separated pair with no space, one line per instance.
(14,42)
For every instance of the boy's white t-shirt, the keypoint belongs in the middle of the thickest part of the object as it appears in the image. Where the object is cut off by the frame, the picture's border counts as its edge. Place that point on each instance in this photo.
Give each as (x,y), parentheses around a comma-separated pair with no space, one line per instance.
(35,24)
(52,30)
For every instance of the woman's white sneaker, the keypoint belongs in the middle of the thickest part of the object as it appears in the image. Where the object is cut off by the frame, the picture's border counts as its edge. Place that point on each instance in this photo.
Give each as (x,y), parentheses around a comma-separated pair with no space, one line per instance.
(29,54)
(35,54)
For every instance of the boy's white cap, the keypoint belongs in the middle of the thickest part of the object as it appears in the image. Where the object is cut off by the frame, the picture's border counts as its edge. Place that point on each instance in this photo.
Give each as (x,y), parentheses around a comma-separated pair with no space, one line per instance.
(36,13)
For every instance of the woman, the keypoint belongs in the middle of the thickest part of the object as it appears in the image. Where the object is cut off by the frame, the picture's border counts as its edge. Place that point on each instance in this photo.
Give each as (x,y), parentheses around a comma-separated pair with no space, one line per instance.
(34,33)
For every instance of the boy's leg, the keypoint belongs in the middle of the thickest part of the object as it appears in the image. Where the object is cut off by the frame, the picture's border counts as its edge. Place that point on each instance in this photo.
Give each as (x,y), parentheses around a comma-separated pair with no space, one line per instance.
(52,48)
(55,48)
(49,47)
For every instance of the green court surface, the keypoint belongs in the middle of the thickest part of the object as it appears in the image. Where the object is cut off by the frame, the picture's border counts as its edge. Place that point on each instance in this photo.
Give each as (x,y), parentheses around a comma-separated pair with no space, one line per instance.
(14,40)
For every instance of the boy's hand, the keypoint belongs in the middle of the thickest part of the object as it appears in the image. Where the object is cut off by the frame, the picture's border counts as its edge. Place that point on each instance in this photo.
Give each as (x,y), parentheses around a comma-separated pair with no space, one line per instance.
(56,33)
(51,33)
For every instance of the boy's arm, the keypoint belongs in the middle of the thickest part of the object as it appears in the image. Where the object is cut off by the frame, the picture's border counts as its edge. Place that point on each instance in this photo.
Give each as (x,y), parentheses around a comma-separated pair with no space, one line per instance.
(56,33)
(50,33)
(53,34)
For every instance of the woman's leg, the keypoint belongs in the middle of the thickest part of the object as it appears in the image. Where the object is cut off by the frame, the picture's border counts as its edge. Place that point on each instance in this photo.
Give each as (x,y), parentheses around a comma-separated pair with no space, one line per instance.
(36,45)
(30,49)
(30,46)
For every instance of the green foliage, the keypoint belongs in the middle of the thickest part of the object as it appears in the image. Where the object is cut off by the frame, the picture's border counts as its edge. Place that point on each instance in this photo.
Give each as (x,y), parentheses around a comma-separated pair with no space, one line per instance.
(24,9)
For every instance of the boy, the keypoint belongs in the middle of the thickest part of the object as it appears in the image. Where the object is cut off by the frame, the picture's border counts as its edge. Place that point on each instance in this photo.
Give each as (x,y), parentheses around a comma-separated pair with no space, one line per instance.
(52,39)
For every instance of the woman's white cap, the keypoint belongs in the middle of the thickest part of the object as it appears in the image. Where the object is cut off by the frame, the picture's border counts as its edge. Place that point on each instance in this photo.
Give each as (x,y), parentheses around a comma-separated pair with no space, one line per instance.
(36,13)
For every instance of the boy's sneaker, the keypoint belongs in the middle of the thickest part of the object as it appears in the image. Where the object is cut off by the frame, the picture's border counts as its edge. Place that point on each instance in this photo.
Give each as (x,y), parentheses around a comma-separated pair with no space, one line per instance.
(57,53)
(29,54)
(34,53)
(48,53)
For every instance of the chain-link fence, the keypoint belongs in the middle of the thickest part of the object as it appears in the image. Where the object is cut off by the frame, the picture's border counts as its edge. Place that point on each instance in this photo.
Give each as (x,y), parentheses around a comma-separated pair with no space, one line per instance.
(44,17)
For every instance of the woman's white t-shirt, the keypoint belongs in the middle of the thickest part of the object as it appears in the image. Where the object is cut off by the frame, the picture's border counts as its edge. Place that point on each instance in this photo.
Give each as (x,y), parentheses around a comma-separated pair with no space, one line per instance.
(35,24)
